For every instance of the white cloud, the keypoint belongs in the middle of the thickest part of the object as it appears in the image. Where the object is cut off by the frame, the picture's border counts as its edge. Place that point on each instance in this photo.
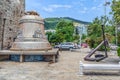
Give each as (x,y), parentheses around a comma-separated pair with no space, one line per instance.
(79,2)
(48,9)
(53,7)
(93,8)
(99,7)
(60,6)
(85,10)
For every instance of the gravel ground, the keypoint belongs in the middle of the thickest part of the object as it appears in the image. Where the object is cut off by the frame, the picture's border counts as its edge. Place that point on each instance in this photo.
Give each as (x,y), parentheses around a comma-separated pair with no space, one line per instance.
(66,69)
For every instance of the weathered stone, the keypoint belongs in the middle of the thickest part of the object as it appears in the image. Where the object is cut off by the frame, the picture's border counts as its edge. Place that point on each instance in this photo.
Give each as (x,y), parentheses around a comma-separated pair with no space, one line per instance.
(10,13)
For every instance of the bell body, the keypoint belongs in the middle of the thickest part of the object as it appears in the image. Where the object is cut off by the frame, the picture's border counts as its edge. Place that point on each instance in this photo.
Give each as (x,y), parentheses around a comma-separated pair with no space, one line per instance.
(31,36)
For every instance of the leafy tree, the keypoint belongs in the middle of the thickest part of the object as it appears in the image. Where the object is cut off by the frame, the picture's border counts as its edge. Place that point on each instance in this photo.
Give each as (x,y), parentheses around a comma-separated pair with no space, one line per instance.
(116,10)
(64,33)
(84,36)
(49,34)
(76,38)
(66,30)
(118,38)
(56,38)
(116,15)
(94,29)
(95,32)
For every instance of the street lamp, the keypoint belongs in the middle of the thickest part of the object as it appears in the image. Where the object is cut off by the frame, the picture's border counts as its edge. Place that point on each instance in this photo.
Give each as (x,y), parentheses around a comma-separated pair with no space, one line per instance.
(106,3)
(80,33)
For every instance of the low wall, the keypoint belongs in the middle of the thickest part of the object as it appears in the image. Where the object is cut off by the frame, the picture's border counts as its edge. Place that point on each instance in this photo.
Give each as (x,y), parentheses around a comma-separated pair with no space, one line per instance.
(6,57)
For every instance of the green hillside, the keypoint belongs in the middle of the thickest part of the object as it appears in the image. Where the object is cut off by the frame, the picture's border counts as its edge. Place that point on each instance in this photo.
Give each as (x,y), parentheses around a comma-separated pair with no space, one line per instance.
(50,23)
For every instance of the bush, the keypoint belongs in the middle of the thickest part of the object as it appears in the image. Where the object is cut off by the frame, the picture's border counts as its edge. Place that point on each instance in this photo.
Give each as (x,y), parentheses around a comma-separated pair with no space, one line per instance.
(118,51)
(102,48)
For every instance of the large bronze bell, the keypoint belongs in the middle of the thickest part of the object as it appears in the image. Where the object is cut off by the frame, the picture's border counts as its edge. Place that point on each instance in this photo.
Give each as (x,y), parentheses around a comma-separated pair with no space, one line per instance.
(31,36)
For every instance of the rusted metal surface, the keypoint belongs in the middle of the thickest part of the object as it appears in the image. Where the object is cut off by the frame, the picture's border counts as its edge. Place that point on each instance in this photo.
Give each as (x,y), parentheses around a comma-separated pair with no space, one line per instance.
(105,43)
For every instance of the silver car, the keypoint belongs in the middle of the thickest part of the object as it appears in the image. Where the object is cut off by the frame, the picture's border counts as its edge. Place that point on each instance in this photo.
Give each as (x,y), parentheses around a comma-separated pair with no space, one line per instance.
(67,45)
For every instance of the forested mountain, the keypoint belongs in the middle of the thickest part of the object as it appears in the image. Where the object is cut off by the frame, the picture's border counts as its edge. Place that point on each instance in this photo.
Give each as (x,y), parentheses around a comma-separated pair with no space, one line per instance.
(50,23)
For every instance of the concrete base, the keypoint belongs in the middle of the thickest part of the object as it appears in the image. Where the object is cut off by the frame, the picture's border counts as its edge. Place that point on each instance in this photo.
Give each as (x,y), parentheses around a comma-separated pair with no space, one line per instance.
(4,57)
(48,55)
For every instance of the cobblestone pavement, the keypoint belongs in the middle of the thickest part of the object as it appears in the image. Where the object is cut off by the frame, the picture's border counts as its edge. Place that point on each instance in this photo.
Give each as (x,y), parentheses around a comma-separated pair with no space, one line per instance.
(66,69)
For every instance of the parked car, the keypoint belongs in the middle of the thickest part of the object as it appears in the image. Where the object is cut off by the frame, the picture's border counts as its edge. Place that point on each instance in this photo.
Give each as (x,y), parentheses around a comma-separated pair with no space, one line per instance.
(113,46)
(67,46)
(57,46)
(84,45)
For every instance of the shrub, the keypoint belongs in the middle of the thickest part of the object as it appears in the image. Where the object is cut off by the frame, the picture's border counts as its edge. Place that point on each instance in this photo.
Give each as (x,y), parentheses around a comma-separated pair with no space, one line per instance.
(118,51)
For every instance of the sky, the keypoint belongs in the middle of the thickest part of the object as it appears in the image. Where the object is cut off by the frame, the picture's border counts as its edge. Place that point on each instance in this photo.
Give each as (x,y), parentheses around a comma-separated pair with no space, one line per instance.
(85,10)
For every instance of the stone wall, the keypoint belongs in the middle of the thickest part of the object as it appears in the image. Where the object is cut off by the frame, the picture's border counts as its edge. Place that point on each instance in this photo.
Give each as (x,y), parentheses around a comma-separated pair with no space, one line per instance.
(10,13)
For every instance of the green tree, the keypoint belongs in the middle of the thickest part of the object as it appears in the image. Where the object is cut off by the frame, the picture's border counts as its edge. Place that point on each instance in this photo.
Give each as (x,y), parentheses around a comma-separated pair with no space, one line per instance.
(65,30)
(94,29)
(49,34)
(64,33)
(76,38)
(84,36)
(116,10)
(56,38)
(95,32)
(116,15)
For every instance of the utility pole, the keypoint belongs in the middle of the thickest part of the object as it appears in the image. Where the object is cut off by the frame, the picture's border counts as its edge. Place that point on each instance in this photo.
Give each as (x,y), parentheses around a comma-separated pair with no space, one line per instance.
(80,33)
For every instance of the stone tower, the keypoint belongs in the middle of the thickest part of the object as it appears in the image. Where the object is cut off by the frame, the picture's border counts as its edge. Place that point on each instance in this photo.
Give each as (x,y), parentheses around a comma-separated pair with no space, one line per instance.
(10,13)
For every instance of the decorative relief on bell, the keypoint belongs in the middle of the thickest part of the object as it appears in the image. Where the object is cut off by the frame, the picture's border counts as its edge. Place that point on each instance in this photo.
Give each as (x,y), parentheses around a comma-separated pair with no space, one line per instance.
(38,34)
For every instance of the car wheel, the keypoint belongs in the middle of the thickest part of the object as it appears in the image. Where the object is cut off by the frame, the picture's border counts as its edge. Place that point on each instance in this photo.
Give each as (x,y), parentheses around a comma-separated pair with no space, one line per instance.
(70,49)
